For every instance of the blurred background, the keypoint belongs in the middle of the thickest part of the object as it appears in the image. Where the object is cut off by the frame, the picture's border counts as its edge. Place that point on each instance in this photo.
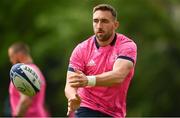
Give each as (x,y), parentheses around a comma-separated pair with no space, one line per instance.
(52,28)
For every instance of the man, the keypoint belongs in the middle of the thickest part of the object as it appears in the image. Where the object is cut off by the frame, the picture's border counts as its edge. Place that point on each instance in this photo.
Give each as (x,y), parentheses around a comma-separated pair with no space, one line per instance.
(23,105)
(100,69)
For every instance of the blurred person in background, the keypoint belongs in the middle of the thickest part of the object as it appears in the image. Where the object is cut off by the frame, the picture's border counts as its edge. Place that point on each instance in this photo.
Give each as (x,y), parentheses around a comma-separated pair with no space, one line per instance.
(23,105)
(100,69)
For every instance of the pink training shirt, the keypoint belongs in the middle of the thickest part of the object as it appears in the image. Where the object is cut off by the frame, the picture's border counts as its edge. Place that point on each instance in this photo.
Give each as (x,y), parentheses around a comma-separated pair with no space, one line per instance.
(37,108)
(92,59)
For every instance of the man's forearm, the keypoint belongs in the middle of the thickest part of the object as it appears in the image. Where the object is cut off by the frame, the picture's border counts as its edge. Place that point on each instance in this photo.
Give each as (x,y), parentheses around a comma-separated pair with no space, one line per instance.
(120,70)
(22,108)
(70,91)
(109,78)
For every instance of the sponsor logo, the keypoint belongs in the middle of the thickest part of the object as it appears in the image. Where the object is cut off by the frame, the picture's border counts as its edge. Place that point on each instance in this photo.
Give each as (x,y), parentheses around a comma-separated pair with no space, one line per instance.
(91,63)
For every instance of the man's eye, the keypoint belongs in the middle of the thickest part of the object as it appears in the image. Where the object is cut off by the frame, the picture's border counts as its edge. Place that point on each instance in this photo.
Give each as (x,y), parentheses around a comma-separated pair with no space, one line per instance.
(96,21)
(105,21)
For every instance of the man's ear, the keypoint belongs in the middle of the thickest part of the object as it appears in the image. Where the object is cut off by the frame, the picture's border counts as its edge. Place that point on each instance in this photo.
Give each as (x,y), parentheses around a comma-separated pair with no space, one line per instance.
(116,24)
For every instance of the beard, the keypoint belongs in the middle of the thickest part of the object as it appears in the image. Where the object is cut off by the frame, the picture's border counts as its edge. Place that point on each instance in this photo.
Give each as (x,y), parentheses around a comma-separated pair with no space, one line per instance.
(103,37)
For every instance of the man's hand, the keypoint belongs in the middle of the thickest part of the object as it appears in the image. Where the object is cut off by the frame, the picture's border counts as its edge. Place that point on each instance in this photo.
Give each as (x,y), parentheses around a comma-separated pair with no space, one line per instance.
(78,79)
(73,104)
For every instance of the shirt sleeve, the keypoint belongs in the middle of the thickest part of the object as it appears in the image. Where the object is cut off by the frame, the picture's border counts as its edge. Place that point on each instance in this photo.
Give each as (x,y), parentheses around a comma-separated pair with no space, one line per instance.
(76,59)
(128,51)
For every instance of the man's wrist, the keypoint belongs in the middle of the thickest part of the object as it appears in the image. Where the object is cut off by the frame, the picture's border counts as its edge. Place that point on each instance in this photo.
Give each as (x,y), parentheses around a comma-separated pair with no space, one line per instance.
(91,80)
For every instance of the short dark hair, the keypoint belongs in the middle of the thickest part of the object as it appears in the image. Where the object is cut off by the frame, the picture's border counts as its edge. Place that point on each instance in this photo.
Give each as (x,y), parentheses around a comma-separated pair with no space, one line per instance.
(106,7)
(20,47)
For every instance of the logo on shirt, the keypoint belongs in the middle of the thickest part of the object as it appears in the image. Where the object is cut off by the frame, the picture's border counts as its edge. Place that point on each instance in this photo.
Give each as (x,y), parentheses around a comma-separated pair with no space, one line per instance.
(91,63)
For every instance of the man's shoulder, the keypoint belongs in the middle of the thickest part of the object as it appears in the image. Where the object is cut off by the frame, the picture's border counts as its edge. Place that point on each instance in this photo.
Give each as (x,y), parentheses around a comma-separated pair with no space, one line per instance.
(88,40)
(33,65)
(122,39)
(86,43)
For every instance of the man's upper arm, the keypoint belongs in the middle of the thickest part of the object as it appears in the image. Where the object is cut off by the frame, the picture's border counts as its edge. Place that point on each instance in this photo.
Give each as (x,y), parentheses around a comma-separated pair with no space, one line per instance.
(123,65)
(128,51)
(126,59)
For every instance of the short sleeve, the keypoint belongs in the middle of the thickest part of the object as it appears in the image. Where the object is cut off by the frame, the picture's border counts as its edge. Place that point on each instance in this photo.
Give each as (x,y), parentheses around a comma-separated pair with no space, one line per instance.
(128,51)
(76,59)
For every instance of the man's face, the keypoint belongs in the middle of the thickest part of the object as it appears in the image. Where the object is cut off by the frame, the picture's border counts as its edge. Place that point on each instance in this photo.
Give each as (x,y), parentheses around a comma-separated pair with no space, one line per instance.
(12,56)
(104,25)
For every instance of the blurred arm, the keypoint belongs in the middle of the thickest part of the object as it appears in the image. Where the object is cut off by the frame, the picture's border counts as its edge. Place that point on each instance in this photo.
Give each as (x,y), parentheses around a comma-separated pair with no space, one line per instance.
(23,105)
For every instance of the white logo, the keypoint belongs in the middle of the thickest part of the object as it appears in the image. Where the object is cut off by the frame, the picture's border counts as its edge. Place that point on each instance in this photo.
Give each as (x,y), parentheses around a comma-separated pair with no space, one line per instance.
(91,63)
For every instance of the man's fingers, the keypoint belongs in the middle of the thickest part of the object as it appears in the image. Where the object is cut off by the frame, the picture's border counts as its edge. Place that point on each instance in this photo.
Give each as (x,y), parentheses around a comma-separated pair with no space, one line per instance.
(75,81)
(70,107)
(73,104)
(78,71)
(75,75)
(69,111)
(75,85)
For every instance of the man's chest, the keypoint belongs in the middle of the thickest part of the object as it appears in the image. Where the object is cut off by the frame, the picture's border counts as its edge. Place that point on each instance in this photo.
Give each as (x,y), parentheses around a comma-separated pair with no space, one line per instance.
(100,61)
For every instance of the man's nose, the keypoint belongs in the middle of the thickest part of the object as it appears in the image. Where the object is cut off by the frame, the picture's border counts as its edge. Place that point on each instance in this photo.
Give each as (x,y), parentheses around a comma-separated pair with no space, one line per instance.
(99,25)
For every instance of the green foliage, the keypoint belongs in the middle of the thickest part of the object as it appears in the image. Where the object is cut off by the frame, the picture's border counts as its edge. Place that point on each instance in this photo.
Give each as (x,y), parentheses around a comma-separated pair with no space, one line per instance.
(53,28)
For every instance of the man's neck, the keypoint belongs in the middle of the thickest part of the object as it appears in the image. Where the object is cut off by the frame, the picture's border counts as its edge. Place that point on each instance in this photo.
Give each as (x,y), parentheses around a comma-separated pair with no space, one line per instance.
(105,43)
(27,60)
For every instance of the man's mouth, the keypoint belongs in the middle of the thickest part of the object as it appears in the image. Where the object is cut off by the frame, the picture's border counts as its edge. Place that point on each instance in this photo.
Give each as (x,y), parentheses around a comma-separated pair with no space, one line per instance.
(100,32)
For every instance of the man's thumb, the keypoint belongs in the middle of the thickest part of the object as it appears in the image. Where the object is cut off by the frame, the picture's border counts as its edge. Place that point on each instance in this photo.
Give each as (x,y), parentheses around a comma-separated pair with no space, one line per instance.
(78,71)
